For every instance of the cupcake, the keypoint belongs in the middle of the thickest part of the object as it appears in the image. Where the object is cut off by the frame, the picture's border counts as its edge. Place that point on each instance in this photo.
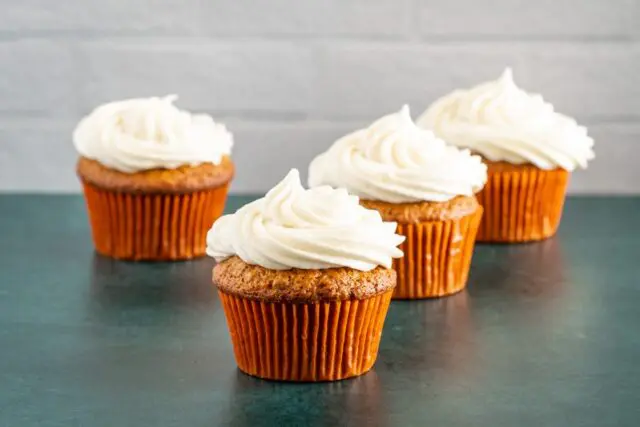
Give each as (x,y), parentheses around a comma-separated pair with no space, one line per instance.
(530,151)
(305,282)
(154,178)
(427,187)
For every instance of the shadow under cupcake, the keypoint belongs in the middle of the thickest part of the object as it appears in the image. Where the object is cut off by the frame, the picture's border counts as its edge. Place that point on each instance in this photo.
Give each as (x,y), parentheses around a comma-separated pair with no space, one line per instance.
(320,404)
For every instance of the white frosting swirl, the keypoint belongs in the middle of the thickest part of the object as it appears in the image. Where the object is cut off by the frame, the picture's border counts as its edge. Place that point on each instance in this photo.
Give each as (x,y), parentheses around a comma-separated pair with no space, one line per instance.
(309,229)
(395,161)
(504,123)
(150,133)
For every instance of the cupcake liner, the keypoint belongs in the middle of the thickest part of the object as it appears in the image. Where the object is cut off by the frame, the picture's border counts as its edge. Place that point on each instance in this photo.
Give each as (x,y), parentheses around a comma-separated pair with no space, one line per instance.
(152,226)
(522,204)
(437,257)
(320,341)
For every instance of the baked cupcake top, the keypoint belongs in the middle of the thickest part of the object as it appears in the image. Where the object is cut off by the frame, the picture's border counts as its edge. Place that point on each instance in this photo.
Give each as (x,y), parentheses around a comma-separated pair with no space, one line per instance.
(235,277)
(318,228)
(504,123)
(395,161)
(150,133)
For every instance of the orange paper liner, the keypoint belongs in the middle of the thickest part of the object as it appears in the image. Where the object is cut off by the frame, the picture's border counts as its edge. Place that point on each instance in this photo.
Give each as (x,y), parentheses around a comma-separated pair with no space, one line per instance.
(152,226)
(522,204)
(322,341)
(437,257)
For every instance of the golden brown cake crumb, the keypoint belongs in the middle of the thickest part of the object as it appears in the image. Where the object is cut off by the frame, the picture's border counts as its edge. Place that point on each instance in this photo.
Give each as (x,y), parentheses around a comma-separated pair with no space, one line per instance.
(235,277)
(184,179)
(423,211)
(510,167)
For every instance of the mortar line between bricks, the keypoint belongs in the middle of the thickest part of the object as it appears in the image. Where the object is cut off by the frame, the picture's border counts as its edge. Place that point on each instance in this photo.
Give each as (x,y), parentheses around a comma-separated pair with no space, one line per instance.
(409,39)
(110,36)
(278,120)
(524,38)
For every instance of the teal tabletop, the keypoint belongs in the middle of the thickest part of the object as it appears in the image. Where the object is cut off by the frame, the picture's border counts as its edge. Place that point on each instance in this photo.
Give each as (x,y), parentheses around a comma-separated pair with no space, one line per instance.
(547,334)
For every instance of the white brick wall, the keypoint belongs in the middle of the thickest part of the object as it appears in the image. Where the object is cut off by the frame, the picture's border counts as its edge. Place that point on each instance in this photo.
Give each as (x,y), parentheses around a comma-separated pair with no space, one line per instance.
(545,19)
(289,77)
(37,78)
(221,77)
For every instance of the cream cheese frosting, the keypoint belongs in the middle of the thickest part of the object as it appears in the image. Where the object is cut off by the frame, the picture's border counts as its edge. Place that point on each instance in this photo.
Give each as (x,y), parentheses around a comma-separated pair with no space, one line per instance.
(150,133)
(504,123)
(395,161)
(317,228)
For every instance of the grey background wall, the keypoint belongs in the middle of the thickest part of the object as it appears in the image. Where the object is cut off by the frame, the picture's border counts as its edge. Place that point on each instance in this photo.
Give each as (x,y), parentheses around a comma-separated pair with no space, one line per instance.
(290,76)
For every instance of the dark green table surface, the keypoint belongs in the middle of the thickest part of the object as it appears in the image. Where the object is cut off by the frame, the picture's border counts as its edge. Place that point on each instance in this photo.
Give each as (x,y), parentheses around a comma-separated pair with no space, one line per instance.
(547,334)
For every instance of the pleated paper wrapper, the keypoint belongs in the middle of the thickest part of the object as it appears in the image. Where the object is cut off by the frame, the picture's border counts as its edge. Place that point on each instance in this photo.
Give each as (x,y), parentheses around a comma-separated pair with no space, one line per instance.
(437,257)
(152,226)
(320,341)
(522,204)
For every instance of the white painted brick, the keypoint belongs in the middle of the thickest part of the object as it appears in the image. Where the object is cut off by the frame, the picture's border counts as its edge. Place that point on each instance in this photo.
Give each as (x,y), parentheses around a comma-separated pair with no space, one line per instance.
(37,78)
(540,18)
(369,80)
(36,156)
(615,168)
(197,17)
(327,17)
(265,152)
(249,77)
(139,16)
(587,80)
(583,80)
